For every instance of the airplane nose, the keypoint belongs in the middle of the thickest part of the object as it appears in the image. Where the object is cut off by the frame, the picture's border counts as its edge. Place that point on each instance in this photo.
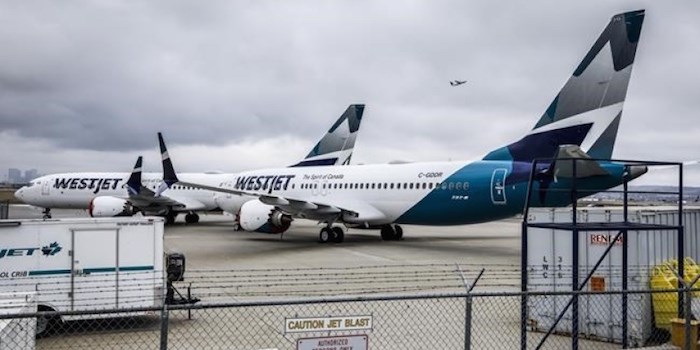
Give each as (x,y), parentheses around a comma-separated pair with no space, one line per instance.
(19,194)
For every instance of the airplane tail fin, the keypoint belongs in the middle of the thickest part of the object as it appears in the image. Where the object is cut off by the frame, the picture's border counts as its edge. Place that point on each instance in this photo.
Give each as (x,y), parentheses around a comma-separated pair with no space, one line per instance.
(133,184)
(336,146)
(587,110)
(169,176)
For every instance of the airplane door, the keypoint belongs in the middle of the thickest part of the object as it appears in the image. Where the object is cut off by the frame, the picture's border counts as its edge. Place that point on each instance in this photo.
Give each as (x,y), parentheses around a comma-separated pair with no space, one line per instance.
(45,186)
(498,186)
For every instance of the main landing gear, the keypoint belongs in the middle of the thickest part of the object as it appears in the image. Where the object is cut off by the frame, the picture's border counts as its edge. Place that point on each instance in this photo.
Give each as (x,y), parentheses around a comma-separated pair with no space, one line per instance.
(391,233)
(170,217)
(333,234)
(47,213)
(192,218)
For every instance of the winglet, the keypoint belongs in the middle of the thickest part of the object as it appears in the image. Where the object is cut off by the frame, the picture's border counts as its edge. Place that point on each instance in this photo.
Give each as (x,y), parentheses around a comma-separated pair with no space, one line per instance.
(133,185)
(169,176)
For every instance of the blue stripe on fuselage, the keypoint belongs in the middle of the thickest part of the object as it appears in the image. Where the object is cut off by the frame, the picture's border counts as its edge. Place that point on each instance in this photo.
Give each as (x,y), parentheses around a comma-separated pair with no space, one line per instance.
(477,204)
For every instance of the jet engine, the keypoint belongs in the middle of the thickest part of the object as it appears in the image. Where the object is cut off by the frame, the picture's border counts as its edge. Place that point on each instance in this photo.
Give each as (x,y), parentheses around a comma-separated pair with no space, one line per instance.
(107,206)
(230,203)
(260,217)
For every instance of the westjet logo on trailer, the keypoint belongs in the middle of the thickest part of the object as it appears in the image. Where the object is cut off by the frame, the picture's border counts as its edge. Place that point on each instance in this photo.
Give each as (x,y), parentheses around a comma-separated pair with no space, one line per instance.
(268,182)
(48,250)
(81,184)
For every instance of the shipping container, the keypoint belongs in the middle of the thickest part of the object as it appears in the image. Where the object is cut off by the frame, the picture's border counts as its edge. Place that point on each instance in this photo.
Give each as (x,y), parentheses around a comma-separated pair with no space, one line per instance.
(550,260)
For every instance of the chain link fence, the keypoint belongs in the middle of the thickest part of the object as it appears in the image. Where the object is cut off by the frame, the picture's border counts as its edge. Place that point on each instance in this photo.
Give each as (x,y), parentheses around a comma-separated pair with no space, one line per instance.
(431,321)
(389,307)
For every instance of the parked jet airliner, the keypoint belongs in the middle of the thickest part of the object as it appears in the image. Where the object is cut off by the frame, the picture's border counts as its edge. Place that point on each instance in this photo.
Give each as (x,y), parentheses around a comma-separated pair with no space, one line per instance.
(118,194)
(581,123)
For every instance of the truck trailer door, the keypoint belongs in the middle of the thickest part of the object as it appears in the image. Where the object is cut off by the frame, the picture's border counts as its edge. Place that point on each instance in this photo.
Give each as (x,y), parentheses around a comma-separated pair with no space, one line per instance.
(94,268)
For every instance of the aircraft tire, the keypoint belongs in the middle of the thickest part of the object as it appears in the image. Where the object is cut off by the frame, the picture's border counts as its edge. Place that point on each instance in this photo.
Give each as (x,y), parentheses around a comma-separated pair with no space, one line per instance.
(191,218)
(325,235)
(169,218)
(398,232)
(387,233)
(338,235)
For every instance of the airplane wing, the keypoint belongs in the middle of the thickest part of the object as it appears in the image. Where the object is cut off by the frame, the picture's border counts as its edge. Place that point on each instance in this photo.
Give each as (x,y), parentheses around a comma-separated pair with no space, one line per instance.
(143,197)
(348,210)
(147,199)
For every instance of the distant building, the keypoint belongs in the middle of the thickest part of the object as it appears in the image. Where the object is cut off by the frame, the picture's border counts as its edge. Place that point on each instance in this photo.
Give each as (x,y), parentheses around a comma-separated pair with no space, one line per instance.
(30,175)
(14,176)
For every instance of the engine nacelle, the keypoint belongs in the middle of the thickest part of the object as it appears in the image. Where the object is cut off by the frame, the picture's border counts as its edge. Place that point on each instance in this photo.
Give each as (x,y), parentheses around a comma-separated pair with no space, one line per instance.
(230,203)
(260,217)
(107,206)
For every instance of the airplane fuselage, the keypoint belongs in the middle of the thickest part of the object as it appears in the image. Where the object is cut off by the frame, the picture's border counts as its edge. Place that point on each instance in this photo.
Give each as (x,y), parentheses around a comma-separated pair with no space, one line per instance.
(76,190)
(440,193)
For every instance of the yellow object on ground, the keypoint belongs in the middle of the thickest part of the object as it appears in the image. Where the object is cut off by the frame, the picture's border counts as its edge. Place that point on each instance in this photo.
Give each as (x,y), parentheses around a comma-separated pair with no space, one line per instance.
(665,305)
(678,333)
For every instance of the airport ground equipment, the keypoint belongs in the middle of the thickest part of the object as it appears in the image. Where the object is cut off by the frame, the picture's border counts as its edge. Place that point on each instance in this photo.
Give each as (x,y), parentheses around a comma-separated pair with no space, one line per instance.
(615,233)
(87,264)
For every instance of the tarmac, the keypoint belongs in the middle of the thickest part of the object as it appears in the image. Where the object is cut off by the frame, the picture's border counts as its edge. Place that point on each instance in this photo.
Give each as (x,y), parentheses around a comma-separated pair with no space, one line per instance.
(213,244)
(215,251)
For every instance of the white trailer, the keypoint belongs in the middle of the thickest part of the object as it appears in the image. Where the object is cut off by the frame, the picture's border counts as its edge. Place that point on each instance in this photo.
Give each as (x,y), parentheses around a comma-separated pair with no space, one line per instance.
(84,264)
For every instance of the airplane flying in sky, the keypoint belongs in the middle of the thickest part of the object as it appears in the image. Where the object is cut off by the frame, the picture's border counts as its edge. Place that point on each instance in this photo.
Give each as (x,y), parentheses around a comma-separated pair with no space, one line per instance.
(457,82)
(581,123)
(119,193)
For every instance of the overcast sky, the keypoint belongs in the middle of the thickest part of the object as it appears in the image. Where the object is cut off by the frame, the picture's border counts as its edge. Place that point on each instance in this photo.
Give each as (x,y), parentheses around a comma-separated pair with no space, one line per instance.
(236,85)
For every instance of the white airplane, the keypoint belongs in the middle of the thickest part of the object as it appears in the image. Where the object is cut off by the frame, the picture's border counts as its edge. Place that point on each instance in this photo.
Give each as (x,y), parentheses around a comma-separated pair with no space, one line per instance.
(581,123)
(119,193)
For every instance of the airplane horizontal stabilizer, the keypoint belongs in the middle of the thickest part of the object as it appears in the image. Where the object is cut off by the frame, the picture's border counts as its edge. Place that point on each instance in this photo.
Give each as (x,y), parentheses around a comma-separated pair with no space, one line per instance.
(569,156)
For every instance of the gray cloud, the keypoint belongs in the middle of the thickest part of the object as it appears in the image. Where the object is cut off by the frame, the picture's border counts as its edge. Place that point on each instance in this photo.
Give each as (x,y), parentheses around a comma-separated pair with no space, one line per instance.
(97,80)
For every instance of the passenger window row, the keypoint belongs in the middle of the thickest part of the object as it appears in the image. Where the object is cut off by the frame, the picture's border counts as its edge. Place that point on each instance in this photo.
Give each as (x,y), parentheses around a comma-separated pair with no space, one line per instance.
(389,186)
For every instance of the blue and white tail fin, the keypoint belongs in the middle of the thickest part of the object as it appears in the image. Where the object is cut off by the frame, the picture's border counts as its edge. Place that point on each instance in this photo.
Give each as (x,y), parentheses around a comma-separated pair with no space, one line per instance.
(587,110)
(336,146)
(169,176)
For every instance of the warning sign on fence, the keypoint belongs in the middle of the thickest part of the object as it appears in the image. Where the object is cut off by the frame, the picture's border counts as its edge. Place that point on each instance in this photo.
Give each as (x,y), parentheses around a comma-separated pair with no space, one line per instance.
(327,324)
(346,342)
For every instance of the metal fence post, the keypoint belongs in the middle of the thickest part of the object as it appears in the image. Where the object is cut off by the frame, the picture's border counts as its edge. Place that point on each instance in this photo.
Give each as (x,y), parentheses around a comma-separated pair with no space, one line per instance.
(164,327)
(468,308)
(688,317)
(468,324)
